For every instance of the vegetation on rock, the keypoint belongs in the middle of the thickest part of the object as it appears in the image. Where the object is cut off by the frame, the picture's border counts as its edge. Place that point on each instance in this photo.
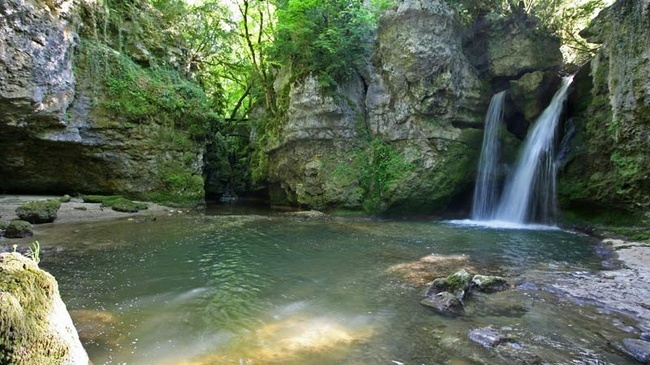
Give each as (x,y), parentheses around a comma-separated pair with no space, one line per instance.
(39,211)
(116,202)
(18,229)
(27,334)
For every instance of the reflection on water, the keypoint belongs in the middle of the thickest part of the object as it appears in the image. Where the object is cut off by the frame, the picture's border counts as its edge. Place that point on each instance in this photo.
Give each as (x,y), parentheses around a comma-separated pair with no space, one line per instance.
(273,290)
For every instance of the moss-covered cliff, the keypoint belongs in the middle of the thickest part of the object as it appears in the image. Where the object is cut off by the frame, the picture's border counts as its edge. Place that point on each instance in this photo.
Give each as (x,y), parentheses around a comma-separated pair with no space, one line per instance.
(118,116)
(609,169)
(403,135)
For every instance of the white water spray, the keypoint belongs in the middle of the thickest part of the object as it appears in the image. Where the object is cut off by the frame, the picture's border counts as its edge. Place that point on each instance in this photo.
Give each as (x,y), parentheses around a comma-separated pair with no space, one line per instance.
(530,194)
(485,190)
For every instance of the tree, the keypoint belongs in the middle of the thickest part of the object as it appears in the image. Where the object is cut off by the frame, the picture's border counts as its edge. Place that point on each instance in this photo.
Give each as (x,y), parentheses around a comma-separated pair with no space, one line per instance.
(328,38)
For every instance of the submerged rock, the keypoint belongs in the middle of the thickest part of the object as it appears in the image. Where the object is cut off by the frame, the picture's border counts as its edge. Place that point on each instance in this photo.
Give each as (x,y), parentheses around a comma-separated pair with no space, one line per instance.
(36,327)
(637,349)
(487,337)
(445,303)
(426,269)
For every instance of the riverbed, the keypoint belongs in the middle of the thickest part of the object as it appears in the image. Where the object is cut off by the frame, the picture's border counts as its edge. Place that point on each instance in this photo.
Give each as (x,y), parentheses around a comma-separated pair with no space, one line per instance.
(260,287)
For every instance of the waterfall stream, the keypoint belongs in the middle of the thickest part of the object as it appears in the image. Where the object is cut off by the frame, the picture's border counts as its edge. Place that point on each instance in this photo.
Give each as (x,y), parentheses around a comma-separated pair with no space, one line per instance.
(485,190)
(529,194)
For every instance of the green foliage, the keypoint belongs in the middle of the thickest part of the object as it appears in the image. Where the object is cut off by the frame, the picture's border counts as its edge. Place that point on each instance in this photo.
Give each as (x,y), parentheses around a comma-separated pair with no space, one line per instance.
(327,38)
(99,198)
(143,95)
(177,186)
(34,252)
(116,202)
(378,168)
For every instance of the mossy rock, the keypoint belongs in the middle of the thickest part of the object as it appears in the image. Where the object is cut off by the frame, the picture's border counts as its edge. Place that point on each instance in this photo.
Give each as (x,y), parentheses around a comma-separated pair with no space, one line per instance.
(65,199)
(39,211)
(460,280)
(127,206)
(489,284)
(34,328)
(19,229)
(116,202)
(3,225)
(99,198)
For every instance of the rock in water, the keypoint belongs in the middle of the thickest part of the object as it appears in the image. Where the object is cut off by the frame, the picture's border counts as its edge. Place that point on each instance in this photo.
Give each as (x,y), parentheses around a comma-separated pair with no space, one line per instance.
(445,303)
(489,284)
(487,337)
(35,325)
(18,229)
(638,349)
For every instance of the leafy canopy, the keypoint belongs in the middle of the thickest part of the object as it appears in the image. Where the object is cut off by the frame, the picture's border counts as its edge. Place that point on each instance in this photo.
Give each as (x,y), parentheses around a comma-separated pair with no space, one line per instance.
(325,38)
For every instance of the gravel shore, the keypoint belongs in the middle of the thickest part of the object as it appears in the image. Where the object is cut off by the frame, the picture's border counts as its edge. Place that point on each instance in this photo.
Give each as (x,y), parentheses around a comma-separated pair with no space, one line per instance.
(75,210)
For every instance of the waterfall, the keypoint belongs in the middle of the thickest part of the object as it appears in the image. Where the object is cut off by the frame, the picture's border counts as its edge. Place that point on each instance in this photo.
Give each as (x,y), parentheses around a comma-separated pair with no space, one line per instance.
(529,193)
(485,190)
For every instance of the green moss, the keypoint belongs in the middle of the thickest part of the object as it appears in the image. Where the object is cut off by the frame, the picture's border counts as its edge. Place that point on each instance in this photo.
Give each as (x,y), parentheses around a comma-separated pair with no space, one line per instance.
(144,95)
(116,202)
(177,186)
(26,298)
(39,211)
(128,206)
(376,168)
(99,198)
(3,225)
(459,280)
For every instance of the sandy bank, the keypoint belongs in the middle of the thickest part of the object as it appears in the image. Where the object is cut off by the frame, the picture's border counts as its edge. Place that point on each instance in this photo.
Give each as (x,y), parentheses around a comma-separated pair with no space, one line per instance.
(76,210)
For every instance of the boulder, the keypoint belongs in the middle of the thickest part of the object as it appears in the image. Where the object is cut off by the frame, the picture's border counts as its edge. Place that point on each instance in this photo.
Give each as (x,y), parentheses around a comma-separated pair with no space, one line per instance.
(489,284)
(459,285)
(3,226)
(36,327)
(18,229)
(39,211)
(444,303)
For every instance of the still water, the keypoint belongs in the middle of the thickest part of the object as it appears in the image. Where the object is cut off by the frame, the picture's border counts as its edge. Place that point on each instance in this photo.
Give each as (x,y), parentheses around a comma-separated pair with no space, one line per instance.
(261,289)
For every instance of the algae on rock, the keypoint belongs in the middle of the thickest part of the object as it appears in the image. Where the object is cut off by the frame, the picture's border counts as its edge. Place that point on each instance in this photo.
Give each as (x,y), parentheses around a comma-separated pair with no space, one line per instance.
(39,211)
(35,327)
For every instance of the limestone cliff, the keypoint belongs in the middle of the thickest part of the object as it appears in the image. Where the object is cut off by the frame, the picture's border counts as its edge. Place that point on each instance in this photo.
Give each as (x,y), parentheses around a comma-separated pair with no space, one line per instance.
(610,166)
(80,115)
(404,135)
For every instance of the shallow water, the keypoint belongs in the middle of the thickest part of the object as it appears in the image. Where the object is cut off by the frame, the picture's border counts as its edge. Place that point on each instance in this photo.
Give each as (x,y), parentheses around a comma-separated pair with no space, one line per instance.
(260,289)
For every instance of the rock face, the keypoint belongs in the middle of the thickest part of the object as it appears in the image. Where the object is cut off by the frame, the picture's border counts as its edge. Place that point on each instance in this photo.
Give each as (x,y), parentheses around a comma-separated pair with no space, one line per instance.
(36,78)
(391,137)
(59,131)
(609,168)
(36,327)
(404,135)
